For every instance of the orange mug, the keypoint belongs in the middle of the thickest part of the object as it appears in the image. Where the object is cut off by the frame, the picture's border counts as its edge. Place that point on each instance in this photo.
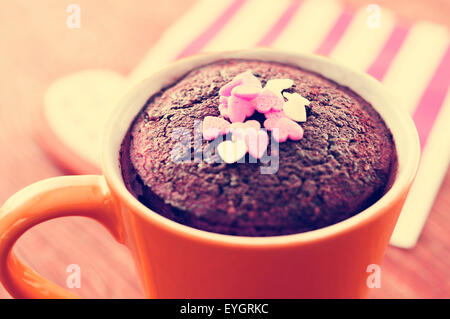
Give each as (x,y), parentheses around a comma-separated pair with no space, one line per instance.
(177,261)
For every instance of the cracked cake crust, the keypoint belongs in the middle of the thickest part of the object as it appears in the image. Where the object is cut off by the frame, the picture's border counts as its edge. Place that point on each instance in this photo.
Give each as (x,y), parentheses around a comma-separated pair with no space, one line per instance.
(342,165)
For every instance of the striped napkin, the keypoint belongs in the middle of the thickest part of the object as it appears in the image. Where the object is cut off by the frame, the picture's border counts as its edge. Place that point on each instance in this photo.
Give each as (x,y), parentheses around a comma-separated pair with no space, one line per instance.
(413,61)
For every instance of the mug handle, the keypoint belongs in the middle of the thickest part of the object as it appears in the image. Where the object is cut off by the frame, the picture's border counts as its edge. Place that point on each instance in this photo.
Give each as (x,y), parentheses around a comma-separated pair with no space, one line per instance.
(85,195)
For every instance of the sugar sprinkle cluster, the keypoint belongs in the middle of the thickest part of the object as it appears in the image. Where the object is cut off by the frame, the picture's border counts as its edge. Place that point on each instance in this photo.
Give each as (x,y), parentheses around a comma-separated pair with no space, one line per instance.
(239,100)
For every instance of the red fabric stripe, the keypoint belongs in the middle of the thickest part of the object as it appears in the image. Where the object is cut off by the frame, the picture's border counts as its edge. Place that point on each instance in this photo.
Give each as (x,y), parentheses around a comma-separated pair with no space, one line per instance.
(281,24)
(199,42)
(431,102)
(335,34)
(382,63)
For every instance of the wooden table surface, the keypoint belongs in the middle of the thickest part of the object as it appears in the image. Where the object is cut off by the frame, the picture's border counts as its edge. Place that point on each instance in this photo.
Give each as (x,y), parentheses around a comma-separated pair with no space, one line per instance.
(36,47)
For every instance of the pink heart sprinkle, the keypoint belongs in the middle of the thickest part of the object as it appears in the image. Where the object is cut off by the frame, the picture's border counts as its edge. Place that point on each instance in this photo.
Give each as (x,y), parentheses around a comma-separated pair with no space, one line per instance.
(239,129)
(250,110)
(267,101)
(224,101)
(271,118)
(257,142)
(226,89)
(246,92)
(213,126)
(223,107)
(286,128)
(224,111)
(248,124)
(246,78)
(239,109)
(249,79)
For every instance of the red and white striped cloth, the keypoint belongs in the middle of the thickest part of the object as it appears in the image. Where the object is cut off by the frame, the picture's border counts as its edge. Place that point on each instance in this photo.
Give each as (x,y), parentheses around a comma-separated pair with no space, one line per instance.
(413,61)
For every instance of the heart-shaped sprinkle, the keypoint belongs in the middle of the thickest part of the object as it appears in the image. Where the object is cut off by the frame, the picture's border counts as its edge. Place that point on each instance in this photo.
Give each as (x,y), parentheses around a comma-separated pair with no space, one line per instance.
(224,101)
(232,151)
(286,128)
(271,118)
(245,78)
(294,108)
(278,85)
(239,109)
(274,115)
(257,141)
(248,124)
(223,111)
(213,126)
(247,92)
(249,79)
(227,88)
(267,101)
(239,129)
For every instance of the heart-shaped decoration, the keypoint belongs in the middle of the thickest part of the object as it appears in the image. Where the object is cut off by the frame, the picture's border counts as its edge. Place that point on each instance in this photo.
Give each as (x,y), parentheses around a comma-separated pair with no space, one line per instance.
(239,129)
(286,128)
(232,151)
(239,109)
(248,78)
(257,142)
(278,85)
(224,101)
(227,88)
(267,101)
(294,108)
(271,119)
(213,126)
(246,92)
(224,111)
(245,78)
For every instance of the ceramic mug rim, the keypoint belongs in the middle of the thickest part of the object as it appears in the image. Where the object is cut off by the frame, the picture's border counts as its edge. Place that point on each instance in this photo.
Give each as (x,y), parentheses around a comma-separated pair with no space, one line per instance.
(398,121)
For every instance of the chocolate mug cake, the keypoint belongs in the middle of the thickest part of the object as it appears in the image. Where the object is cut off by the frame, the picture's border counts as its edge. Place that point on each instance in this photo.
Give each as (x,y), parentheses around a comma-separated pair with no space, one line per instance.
(335,160)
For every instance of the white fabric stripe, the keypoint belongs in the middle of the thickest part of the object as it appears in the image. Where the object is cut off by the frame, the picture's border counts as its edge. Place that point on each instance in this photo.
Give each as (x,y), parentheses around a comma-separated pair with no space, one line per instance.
(362,41)
(249,25)
(432,169)
(416,62)
(178,36)
(309,26)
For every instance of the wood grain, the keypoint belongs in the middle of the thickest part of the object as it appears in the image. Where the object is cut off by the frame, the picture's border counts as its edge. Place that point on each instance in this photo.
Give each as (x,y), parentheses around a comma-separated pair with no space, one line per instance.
(36,47)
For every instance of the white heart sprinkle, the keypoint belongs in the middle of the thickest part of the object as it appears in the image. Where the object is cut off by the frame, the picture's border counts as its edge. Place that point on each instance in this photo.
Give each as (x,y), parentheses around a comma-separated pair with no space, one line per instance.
(278,85)
(294,108)
(232,151)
